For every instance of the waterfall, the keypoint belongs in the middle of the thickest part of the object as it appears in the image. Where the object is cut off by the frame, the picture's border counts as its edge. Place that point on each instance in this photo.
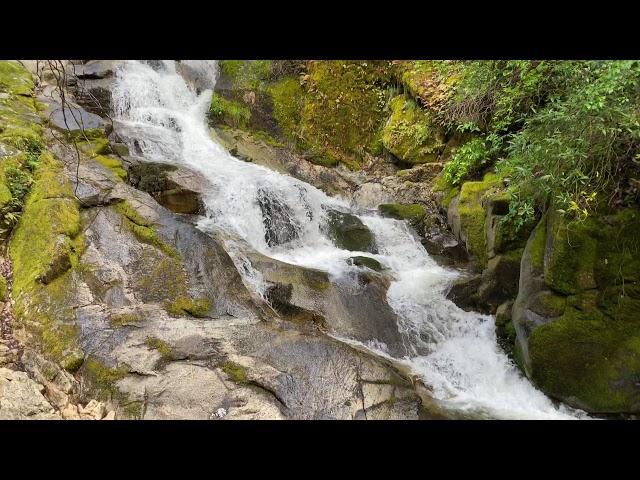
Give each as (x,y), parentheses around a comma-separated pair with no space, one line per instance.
(454,352)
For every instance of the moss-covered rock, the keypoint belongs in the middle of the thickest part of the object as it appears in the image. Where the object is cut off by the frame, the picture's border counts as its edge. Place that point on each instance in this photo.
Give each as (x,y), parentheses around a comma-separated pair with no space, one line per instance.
(367,262)
(577,318)
(410,134)
(230,112)
(588,360)
(44,244)
(598,252)
(472,213)
(347,231)
(14,78)
(182,305)
(412,212)
(3,288)
(344,108)
(288,100)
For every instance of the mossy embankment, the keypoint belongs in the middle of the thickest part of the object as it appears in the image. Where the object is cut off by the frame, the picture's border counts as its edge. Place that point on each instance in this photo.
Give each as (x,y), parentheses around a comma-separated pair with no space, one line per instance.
(334,111)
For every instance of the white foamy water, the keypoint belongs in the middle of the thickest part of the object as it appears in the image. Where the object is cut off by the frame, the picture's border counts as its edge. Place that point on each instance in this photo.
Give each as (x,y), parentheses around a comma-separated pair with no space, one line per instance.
(454,352)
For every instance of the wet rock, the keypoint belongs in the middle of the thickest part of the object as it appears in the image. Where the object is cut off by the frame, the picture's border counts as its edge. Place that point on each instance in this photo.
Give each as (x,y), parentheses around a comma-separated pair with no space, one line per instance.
(353,307)
(367,262)
(347,231)
(444,246)
(96,69)
(75,119)
(500,279)
(464,292)
(280,224)
(505,331)
(175,188)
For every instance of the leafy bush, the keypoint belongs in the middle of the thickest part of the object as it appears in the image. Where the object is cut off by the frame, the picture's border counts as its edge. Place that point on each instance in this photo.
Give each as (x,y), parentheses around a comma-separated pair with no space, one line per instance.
(563,132)
(583,145)
(467,161)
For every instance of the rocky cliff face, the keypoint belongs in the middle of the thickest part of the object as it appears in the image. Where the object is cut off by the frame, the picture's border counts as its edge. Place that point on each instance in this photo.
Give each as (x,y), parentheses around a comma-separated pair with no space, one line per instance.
(119,297)
(115,300)
(564,297)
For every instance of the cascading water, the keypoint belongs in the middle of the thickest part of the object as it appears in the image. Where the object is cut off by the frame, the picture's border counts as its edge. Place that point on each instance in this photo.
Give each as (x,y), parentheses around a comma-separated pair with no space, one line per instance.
(453,351)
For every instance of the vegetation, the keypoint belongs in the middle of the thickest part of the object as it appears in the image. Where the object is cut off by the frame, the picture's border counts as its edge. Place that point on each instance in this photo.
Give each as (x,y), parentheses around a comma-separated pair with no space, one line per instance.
(562,132)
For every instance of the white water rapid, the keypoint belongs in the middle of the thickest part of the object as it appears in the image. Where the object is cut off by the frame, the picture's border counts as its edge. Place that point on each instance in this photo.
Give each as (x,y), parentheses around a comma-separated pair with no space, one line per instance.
(453,351)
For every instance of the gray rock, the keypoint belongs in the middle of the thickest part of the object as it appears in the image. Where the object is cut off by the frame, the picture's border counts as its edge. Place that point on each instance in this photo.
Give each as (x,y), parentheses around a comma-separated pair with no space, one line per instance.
(75,119)
(21,398)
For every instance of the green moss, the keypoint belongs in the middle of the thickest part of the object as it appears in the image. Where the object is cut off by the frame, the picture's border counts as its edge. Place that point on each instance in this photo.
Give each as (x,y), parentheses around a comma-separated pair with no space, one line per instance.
(601,251)
(14,78)
(3,288)
(622,302)
(410,133)
(142,229)
(43,245)
(103,379)
(121,319)
(161,346)
(550,305)
(413,212)
(230,112)
(344,108)
(126,209)
(368,262)
(473,215)
(589,360)
(99,146)
(247,74)
(112,163)
(184,305)
(537,244)
(421,80)
(287,97)
(236,372)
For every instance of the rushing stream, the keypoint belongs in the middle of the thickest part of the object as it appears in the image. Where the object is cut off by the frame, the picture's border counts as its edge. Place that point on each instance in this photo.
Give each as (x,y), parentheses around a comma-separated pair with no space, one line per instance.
(453,351)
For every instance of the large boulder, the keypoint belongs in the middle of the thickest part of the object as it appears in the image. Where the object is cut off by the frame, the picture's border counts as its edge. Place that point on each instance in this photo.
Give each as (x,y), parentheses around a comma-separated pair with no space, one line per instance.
(178,189)
(410,135)
(347,231)
(576,315)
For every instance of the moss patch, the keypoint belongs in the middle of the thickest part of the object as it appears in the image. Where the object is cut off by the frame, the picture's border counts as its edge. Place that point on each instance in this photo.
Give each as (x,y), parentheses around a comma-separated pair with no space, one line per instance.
(163,348)
(589,360)
(236,372)
(288,99)
(410,133)
(185,305)
(121,319)
(598,252)
(473,215)
(222,110)
(14,78)
(142,229)
(44,244)
(114,164)
(413,212)
(344,108)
